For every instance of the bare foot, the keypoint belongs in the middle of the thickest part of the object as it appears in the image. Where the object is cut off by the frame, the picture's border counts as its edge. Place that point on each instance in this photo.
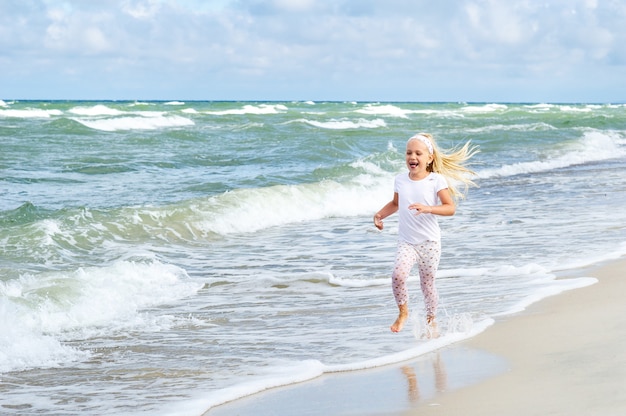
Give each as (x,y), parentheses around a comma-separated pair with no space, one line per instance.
(402,317)
(431,328)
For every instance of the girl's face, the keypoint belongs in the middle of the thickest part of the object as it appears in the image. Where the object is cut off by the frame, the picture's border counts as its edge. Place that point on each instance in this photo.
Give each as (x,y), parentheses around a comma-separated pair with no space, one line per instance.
(417,157)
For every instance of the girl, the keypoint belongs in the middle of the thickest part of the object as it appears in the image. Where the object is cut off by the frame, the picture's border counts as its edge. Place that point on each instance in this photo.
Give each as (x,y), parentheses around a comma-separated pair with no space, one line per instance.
(419,197)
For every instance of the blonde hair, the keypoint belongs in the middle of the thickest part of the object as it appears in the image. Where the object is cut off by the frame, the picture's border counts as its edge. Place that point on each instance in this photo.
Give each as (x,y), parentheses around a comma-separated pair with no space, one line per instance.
(452,164)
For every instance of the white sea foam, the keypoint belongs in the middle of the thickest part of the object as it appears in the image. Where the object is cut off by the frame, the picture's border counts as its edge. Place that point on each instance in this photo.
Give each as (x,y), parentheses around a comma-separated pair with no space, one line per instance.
(22,347)
(357,282)
(509,127)
(345,124)
(574,109)
(303,371)
(49,228)
(251,109)
(250,210)
(553,288)
(104,118)
(445,339)
(618,252)
(391,110)
(96,110)
(541,106)
(593,146)
(443,113)
(89,301)
(30,113)
(487,108)
(385,110)
(135,123)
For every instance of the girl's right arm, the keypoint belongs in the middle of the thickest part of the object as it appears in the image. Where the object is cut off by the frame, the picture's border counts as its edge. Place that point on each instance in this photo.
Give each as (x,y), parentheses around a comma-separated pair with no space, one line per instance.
(390,208)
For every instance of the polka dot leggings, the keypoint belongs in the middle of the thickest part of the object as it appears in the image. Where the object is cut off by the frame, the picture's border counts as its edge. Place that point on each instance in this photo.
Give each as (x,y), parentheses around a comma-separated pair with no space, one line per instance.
(426,255)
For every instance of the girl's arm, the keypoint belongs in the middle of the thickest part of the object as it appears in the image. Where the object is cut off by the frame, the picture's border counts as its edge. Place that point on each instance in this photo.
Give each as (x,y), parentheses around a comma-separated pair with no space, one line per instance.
(390,208)
(446,208)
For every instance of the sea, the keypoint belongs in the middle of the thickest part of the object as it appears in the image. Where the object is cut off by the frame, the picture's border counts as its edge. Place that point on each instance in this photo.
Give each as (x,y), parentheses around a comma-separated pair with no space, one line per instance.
(167,257)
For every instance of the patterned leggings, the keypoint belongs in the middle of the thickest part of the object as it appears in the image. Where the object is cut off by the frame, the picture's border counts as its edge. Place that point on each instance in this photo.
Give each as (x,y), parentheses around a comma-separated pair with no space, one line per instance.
(426,255)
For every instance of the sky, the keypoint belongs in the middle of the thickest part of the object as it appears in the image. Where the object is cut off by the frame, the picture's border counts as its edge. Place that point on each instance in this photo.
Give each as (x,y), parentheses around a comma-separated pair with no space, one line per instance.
(339,50)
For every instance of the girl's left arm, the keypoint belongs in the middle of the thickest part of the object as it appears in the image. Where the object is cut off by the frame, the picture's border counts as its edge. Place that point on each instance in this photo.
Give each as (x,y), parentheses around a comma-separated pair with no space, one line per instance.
(447,207)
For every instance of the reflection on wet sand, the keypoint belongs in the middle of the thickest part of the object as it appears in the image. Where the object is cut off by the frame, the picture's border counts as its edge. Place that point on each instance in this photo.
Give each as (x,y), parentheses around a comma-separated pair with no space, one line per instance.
(439,371)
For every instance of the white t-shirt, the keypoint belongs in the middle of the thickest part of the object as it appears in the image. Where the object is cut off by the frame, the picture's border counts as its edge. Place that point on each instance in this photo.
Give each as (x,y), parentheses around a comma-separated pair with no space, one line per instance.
(418,228)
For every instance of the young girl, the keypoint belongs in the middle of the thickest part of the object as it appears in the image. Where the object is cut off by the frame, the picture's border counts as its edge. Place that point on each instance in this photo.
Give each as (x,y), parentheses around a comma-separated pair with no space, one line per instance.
(419,197)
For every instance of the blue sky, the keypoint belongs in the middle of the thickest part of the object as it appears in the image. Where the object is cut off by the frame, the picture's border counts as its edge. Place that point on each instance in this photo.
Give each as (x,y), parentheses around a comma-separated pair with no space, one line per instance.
(363,50)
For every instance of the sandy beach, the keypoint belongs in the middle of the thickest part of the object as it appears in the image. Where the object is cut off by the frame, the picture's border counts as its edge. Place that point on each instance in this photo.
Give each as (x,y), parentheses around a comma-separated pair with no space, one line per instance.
(565,355)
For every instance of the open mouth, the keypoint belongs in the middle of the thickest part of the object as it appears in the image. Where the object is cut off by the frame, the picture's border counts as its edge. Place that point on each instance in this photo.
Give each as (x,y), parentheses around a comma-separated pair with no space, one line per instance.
(413,164)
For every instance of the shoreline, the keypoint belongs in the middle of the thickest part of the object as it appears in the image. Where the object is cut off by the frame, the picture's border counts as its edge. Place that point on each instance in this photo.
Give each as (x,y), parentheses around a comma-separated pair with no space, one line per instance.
(563,355)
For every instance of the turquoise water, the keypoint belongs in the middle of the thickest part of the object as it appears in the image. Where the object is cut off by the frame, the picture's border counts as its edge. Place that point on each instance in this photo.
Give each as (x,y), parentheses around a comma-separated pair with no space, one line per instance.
(163,257)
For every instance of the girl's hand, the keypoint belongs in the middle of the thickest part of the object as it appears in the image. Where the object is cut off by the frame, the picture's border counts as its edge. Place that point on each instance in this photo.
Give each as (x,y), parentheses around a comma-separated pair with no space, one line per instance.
(378,222)
(421,209)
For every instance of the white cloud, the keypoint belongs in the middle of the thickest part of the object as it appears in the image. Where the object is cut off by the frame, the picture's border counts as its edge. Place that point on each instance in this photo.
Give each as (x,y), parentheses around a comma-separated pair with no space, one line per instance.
(143,10)
(296,48)
(75,33)
(497,22)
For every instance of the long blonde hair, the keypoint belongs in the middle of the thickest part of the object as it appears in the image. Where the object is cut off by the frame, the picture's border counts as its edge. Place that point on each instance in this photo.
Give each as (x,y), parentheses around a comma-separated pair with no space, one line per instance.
(452,164)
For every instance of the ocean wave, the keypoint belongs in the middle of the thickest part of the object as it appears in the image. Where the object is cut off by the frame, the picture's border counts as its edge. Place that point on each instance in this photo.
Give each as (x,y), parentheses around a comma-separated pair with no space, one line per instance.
(570,108)
(96,110)
(595,145)
(239,211)
(29,113)
(59,237)
(135,123)
(540,106)
(22,347)
(539,126)
(575,109)
(261,109)
(391,110)
(344,124)
(384,110)
(24,214)
(251,210)
(326,279)
(486,108)
(54,306)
